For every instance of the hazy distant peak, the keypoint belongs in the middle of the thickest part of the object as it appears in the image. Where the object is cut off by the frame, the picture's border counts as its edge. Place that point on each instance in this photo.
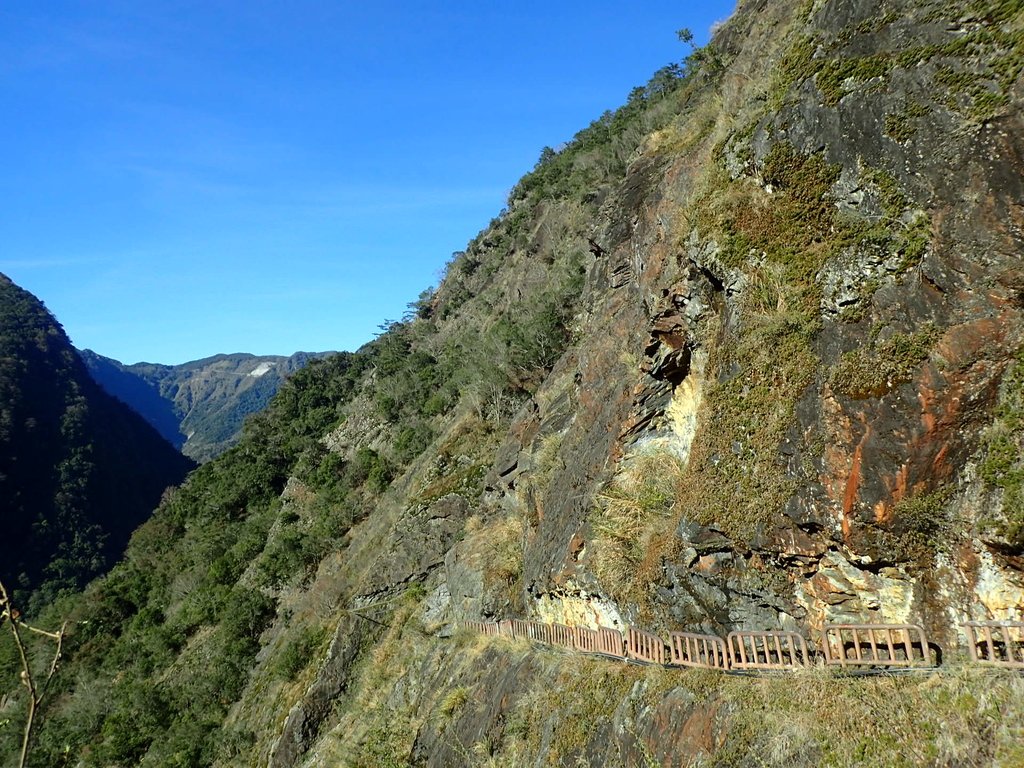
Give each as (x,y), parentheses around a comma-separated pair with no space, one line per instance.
(198,406)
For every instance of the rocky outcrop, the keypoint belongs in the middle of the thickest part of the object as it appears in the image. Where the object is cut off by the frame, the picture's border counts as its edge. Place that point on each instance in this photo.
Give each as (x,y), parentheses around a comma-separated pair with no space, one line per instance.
(334,677)
(811,304)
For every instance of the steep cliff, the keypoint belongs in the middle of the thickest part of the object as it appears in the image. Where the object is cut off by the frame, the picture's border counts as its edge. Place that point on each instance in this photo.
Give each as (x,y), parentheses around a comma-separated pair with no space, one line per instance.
(746,354)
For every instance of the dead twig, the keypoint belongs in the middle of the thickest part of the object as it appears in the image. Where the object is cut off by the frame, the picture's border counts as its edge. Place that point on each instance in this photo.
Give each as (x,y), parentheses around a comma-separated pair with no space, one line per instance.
(36,689)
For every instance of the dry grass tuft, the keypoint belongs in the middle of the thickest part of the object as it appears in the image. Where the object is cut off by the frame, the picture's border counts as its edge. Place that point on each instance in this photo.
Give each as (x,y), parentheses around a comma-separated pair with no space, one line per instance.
(962,716)
(633,520)
(497,545)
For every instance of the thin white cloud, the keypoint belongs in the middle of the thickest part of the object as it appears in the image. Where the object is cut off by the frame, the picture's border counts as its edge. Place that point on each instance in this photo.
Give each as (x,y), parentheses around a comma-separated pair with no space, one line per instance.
(48,44)
(51,262)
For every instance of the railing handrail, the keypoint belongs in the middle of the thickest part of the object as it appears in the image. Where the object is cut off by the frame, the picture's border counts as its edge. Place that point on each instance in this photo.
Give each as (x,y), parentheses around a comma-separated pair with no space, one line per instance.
(856,645)
(1002,651)
(763,645)
(869,654)
(645,646)
(690,649)
(611,642)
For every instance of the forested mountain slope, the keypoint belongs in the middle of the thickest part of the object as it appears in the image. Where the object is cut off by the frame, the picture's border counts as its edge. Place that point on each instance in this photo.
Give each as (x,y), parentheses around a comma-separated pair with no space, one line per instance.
(745,354)
(198,406)
(79,471)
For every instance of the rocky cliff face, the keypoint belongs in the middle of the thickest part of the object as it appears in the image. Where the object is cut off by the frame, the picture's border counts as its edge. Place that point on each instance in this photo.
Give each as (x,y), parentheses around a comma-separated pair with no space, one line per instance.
(744,355)
(792,396)
(812,307)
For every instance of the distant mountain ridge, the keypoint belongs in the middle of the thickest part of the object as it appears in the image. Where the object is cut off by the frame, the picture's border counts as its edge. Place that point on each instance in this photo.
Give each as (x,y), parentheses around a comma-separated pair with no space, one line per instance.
(199,406)
(79,471)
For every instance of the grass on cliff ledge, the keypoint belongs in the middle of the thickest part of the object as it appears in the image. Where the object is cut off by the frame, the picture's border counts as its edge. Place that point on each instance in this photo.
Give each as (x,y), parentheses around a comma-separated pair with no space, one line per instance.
(633,516)
(760,364)
(973,71)
(369,729)
(961,716)
(497,544)
(777,232)
(1002,465)
(883,365)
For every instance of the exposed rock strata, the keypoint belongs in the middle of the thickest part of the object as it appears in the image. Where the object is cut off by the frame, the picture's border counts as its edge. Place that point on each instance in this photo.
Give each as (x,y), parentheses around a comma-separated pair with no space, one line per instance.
(834,476)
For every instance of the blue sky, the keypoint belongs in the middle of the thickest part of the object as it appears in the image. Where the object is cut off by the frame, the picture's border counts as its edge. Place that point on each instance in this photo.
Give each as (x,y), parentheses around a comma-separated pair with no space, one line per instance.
(186,178)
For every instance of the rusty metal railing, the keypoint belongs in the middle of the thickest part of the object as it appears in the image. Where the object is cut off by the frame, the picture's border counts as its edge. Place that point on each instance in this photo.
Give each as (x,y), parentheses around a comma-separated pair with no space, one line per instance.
(856,646)
(603,641)
(767,650)
(996,642)
(483,627)
(643,646)
(586,640)
(876,645)
(518,629)
(610,642)
(562,635)
(693,650)
(538,632)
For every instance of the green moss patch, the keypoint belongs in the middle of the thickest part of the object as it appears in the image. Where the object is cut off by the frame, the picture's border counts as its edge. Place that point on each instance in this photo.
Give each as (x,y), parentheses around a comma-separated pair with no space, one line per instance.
(1002,465)
(882,366)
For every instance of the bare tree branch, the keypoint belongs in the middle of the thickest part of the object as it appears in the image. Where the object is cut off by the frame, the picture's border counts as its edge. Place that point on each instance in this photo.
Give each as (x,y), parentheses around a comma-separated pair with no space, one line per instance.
(35,692)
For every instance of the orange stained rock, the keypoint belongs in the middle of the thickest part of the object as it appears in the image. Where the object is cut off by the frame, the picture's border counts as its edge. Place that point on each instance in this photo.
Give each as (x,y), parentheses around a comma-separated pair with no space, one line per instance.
(576,545)
(960,344)
(883,509)
(941,395)
(853,485)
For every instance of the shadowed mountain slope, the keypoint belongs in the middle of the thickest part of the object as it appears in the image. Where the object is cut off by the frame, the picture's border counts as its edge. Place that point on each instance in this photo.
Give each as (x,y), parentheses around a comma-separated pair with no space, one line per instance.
(79,471)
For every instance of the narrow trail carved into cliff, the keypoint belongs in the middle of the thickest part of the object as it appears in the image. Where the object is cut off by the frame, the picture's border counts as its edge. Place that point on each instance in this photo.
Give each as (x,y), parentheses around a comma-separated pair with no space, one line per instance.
(849,649)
